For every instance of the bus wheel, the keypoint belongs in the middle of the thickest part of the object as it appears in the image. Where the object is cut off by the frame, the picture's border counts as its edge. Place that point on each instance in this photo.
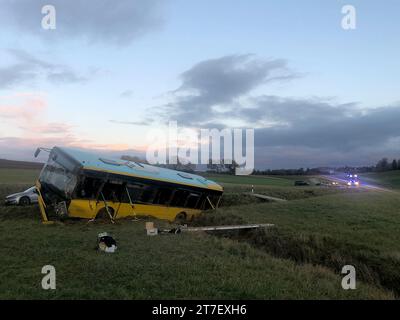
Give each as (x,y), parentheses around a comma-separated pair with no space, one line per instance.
(180,218)
(103,215)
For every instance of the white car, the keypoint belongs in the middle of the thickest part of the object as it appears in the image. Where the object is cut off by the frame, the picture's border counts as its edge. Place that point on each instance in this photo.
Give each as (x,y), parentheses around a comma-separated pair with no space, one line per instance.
(23,198)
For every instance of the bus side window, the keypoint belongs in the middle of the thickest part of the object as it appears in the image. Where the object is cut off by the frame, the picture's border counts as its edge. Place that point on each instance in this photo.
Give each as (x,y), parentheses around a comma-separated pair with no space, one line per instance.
(112,192)
(192,200)
(88,188)
(148,195)
(211,198)
(135,192)
(200,204)
(163,196)
(179,198)
(207,205)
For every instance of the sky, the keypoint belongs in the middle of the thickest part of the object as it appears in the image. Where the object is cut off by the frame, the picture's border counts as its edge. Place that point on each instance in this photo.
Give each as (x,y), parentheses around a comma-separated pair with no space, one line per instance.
(315,93)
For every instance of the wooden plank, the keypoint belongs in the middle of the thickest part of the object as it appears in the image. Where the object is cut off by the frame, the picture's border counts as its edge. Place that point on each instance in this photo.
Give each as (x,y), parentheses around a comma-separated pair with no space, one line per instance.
(264,197)
(219,228)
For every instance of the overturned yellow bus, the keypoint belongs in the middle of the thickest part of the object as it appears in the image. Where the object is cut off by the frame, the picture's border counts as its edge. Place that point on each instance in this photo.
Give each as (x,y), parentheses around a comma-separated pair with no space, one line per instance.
(79,184)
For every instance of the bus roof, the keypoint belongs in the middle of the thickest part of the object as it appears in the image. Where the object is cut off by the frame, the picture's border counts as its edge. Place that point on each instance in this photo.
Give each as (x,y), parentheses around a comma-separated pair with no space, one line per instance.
(91,161)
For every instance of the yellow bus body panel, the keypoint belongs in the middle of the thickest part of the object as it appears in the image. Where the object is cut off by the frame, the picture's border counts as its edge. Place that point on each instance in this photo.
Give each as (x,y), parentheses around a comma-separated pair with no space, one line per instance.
(88,209)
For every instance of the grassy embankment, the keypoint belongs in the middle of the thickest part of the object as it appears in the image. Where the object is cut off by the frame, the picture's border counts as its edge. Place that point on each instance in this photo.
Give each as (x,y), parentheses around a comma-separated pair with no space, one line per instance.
(317,231)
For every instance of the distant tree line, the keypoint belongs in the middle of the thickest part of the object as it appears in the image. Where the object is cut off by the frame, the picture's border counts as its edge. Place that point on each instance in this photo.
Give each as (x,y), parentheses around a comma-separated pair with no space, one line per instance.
(229,167)
(385,165)
(222,166)
(179,165)
(382,165)
(287,172)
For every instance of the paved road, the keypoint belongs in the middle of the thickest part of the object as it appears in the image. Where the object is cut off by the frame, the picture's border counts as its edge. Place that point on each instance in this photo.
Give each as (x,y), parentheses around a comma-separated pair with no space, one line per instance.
(342,180)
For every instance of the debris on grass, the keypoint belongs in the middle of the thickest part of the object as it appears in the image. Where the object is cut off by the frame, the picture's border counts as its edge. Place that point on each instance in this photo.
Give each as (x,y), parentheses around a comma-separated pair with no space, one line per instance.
(106,243)
(219,226)
(267,198)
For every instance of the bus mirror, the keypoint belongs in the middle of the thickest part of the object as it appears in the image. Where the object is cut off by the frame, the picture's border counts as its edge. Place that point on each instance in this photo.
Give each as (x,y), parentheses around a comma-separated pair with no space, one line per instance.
(37,152)
(41,149)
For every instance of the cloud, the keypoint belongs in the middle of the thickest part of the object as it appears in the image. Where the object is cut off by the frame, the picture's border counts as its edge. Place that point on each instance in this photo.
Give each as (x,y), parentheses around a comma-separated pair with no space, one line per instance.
(15,74)
(51,128)
(27,113)
(294,132)
(24,148)
(126,94)
(289,131)
(315,132)
(219,83)
(118,22)
(132,123)
(22,107)
(283,111)
(65,76)
(322,125)
(27,68)
(26,58)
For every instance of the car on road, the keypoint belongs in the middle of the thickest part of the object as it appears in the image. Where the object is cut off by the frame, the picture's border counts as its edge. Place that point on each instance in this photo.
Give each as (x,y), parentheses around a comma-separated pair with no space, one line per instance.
(353,180)
(23,198)
(301,183)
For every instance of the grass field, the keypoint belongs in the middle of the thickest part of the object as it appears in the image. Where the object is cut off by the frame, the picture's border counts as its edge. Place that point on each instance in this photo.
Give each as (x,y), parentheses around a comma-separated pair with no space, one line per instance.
(317,232)
(18,176)
(389,179)
(250,180)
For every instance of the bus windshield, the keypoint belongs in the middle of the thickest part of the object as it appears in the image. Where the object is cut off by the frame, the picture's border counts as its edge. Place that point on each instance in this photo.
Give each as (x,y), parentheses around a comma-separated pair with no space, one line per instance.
(57,176)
